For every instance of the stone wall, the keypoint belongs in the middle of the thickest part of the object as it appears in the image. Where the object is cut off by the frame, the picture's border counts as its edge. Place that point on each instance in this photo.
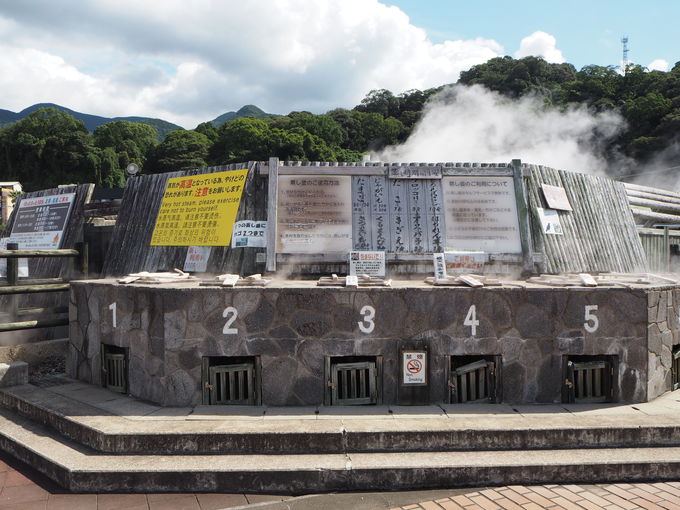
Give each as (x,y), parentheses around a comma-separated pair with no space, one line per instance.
(662,335)
(293,329)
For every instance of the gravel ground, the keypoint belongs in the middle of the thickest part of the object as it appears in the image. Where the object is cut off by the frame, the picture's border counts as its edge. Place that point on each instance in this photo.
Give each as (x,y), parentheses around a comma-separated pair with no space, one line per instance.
(53,365)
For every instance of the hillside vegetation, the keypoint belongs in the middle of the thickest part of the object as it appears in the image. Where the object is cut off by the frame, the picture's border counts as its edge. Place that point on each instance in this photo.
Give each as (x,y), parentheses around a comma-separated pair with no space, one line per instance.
(49,146)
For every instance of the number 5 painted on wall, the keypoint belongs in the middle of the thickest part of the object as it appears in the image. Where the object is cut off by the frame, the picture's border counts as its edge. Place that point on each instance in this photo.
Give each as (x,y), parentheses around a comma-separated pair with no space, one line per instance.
(592,322)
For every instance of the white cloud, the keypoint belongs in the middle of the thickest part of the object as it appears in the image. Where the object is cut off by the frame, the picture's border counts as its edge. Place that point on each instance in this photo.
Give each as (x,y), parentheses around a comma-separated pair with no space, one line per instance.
(540,44)
(477,125)
(658,65)
(203,58)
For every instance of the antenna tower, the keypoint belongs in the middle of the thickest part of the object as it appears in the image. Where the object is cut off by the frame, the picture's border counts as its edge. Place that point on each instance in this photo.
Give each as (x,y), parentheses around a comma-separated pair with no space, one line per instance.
(625,62)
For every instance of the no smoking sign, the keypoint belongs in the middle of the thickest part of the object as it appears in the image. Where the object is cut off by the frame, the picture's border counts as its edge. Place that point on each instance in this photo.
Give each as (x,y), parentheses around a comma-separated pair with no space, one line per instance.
(414,367)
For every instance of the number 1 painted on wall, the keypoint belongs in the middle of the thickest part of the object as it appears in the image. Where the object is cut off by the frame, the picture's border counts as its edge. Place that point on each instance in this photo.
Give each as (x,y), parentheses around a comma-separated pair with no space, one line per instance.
(112,307)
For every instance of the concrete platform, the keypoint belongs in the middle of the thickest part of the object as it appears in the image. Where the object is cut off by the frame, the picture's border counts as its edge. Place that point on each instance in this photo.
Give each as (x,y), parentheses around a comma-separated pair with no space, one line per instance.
(89,439)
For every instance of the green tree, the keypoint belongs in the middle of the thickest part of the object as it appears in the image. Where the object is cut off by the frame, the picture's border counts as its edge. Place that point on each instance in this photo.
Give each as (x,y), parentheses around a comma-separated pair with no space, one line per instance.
(47,148)
(181,150)
(131,141)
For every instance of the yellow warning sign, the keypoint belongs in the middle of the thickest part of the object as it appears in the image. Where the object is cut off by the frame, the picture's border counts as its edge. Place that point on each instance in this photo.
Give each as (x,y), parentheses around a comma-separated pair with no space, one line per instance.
(199,210)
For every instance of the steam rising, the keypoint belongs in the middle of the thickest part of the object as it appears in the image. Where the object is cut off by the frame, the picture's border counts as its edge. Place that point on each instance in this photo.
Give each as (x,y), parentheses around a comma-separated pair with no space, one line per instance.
(472,123)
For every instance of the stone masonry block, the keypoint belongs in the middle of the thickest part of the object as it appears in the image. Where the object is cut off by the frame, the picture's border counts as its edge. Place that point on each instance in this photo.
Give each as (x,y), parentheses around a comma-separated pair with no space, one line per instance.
(13,374)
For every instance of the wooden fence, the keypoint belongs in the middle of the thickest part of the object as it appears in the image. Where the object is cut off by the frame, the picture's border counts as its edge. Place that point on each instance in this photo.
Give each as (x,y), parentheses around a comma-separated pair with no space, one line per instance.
(34,317)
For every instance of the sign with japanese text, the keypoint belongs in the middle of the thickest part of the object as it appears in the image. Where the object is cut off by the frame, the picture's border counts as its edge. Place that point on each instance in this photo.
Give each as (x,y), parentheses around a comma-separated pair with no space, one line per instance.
(481,214)
(199,210)
(249,234)
(371,263)
(196,260)
(414,367)
(439,266)
(40,221)
(314,214)
(464,261)
(550,221)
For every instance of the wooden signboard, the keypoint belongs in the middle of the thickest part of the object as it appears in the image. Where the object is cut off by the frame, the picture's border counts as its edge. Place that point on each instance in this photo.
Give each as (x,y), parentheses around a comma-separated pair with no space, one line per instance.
(314,214)
(481,214)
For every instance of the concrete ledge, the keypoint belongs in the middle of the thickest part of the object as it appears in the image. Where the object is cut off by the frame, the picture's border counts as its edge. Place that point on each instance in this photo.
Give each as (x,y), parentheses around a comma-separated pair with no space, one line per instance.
(82,470)
(13,374)
(106,431)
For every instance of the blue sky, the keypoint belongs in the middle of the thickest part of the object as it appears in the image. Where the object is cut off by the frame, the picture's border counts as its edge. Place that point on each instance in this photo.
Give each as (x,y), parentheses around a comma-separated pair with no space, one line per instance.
(189,62)
(587,32)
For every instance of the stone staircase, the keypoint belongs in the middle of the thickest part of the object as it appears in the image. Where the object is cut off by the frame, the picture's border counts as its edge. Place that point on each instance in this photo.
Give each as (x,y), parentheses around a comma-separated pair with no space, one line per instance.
(91,440)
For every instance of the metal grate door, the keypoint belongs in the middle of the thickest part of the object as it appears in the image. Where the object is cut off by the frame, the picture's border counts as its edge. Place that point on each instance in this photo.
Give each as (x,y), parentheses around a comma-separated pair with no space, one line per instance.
(232,384)
(590,381)
(675,370)
(473,383)
(353,383)
(114,372)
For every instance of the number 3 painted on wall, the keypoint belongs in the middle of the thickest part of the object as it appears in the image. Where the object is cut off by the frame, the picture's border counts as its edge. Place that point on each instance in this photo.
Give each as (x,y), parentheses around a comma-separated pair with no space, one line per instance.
(367,325)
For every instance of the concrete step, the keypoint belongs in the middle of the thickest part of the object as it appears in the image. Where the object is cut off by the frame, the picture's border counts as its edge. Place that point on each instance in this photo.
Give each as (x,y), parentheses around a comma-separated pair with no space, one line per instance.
(81,469)
(85,414)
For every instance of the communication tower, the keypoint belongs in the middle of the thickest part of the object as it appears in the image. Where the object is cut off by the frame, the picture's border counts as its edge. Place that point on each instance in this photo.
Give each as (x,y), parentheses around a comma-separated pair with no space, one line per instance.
(624,62)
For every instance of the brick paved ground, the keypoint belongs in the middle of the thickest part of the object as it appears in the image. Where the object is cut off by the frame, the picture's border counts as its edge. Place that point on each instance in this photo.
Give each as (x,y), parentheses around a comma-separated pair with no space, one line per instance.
(22,488)
(651,496)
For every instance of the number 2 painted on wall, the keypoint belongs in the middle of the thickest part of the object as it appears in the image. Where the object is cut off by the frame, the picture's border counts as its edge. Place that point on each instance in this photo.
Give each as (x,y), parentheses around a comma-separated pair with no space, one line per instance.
(230,313)
(112,307)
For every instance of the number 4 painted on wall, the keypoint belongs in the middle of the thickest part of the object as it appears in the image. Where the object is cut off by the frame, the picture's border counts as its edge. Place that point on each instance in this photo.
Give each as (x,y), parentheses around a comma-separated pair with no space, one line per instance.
(471,320)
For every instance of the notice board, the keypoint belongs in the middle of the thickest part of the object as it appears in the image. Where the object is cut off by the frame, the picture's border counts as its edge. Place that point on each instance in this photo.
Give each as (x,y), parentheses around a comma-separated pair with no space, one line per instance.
(314,214)
(199,210)
(40,221)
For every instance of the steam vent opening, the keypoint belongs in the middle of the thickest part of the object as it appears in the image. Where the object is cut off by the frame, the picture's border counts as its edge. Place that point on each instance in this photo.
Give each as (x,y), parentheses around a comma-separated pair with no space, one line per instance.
(381,284)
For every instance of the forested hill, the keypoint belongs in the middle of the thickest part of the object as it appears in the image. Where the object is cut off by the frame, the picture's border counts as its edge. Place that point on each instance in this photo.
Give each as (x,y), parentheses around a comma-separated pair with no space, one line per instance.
(50,146)
(91,122)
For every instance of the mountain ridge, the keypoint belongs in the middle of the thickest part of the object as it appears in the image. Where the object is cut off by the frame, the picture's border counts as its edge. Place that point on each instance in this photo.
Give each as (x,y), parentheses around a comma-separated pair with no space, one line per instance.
(161,126)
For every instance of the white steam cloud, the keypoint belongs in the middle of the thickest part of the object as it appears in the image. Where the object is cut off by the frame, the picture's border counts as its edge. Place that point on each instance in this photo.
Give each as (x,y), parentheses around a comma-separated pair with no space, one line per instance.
(478,125)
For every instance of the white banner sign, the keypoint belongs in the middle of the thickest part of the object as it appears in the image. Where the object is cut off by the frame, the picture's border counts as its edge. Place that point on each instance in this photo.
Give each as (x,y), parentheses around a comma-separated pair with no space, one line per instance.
(464,261)
(371,263)
(439,266)
(414,367)
(249,234)
(196,260)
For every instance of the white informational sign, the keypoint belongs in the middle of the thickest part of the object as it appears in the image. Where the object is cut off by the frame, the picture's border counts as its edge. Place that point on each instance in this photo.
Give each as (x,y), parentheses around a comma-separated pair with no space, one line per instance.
(371,263)
(249,234)
(196,260)
(550,221)
(556,197)
(314,214)
(23,263)
(481,214)
(414,367)
(439,266)
(40,221)
(464,261)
